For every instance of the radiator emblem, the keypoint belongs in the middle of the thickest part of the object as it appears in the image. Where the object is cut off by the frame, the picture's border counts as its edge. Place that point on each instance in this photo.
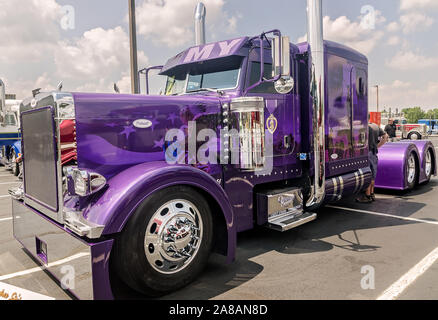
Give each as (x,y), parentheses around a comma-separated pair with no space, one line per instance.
(142,123)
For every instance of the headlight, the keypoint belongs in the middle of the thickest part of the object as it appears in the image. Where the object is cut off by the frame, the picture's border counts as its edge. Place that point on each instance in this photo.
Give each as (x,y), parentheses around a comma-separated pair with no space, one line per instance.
(83,183)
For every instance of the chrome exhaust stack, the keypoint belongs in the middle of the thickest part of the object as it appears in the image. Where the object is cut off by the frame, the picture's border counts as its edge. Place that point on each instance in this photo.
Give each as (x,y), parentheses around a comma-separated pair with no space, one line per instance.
(316,42)
(200,13)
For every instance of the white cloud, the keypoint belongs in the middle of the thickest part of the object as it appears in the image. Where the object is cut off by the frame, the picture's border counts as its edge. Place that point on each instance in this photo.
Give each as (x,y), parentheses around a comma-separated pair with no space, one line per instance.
(170,22)
(400,84)
(99,57)
(27,30)
(33,53)
(400,94)
(393,41)
(415,21)
(352,33)
(393,27)
(408,60)
(418,4)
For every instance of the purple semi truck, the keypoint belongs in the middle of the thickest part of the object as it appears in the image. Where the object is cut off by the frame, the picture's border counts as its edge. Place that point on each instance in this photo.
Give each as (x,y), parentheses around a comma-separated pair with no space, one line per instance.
(253,131)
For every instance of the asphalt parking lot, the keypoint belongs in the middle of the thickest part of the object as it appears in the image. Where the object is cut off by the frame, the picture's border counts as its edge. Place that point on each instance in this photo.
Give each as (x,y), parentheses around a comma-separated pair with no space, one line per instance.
(384,250)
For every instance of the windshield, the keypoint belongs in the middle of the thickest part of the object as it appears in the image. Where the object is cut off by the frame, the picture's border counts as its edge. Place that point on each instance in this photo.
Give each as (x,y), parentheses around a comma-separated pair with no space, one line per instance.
(200,78)
(214,80)
(175,86)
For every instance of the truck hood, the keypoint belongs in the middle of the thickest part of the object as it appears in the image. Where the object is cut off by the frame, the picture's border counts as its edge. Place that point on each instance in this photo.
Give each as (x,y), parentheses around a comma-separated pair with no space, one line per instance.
(114,131)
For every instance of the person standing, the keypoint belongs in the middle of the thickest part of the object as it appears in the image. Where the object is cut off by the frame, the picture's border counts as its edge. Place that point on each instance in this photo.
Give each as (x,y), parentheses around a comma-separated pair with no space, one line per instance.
(376,138)
(390,130)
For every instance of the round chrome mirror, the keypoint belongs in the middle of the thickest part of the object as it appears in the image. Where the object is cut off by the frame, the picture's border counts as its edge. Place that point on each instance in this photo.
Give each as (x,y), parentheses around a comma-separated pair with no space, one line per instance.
(284,86)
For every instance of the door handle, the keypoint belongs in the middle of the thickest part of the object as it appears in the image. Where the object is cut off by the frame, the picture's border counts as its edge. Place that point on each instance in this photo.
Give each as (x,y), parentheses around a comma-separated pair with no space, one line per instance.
(287,141)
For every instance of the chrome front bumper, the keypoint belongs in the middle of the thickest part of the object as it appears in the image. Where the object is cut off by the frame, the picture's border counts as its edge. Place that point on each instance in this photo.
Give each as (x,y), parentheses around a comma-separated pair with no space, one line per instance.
(80,267)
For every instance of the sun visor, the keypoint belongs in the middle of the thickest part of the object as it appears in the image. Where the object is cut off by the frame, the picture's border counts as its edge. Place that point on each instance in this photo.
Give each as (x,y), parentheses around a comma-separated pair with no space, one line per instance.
(212,52)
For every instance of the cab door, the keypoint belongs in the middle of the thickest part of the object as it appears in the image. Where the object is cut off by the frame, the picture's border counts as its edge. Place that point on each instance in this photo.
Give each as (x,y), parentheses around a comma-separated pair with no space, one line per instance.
(281,114)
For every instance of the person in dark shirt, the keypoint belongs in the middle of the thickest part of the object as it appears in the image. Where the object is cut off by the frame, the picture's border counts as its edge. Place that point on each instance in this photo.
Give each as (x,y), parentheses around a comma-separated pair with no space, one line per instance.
(376,138)
(390,129)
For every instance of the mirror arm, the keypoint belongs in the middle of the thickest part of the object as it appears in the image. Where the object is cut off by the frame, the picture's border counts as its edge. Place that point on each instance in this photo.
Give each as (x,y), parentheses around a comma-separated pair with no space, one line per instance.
(145,71)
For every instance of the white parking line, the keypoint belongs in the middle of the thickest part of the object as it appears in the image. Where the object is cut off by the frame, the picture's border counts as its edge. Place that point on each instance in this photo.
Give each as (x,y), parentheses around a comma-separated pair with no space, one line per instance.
(5,196)
(408,278)
(383,214)
(12,182)
(37,269)
(5,219)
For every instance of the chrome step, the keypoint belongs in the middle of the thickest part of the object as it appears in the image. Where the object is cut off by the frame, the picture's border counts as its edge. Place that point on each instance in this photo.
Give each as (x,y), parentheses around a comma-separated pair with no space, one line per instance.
(289,221)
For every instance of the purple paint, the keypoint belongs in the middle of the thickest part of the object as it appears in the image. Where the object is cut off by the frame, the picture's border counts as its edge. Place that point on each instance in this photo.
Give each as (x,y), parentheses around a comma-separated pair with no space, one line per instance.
(391,172)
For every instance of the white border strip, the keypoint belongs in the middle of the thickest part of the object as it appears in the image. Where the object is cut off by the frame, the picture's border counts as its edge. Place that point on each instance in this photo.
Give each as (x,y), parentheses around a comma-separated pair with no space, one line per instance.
(10,292)
(5,196)
(12,182)
(37,269)
(408,278)
(5,219)
(383,214)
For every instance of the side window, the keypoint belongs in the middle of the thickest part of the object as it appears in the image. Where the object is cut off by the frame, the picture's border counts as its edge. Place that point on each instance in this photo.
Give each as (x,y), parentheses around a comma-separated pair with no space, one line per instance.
(267,87)
(10,119)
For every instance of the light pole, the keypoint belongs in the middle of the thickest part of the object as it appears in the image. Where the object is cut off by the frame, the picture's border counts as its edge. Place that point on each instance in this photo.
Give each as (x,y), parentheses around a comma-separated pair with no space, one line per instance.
(135,88)
(377,87)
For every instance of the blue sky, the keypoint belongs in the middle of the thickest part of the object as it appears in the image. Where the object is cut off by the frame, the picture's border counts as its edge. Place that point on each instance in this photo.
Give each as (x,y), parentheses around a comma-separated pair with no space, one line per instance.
(37,52)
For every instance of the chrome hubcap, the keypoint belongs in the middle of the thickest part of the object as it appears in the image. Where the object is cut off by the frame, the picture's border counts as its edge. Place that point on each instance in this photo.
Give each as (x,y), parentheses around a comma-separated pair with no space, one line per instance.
(428,166)
(173,236)
(411,169)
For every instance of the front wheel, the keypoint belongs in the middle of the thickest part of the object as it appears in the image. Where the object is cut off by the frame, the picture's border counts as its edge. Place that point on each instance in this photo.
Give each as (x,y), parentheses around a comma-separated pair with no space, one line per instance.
(166,243)
(414,136)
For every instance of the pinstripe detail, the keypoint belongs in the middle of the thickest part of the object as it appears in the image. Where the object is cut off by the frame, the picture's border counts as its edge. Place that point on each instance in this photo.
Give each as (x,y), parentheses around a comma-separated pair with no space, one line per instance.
(335,188)
(362,179)
(356,186)
(341,187)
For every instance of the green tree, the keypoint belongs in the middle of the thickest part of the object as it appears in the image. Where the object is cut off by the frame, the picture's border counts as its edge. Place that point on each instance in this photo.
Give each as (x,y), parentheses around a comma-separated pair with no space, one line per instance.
(414,114)
(432,114)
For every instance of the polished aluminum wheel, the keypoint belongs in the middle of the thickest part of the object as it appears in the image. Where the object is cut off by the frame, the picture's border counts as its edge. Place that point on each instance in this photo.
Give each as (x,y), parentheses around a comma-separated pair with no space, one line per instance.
(411,170)
(173,236)
(428,165)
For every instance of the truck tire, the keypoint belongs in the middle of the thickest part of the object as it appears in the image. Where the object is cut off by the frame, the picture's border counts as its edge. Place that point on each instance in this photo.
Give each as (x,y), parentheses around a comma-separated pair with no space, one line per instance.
(414,136)
(166,243)
(428,165)
(411,171)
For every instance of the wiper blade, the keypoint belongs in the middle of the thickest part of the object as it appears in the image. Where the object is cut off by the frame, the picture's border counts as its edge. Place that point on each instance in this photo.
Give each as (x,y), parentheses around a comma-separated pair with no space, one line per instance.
(207,89)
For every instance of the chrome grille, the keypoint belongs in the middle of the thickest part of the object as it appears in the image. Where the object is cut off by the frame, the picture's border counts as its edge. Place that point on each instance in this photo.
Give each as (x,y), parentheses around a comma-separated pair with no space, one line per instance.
(39,139)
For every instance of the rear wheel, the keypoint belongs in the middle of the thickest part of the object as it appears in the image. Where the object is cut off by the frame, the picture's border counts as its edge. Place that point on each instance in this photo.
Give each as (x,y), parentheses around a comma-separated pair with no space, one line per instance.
(166,243)
(428,165)
(411,171)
